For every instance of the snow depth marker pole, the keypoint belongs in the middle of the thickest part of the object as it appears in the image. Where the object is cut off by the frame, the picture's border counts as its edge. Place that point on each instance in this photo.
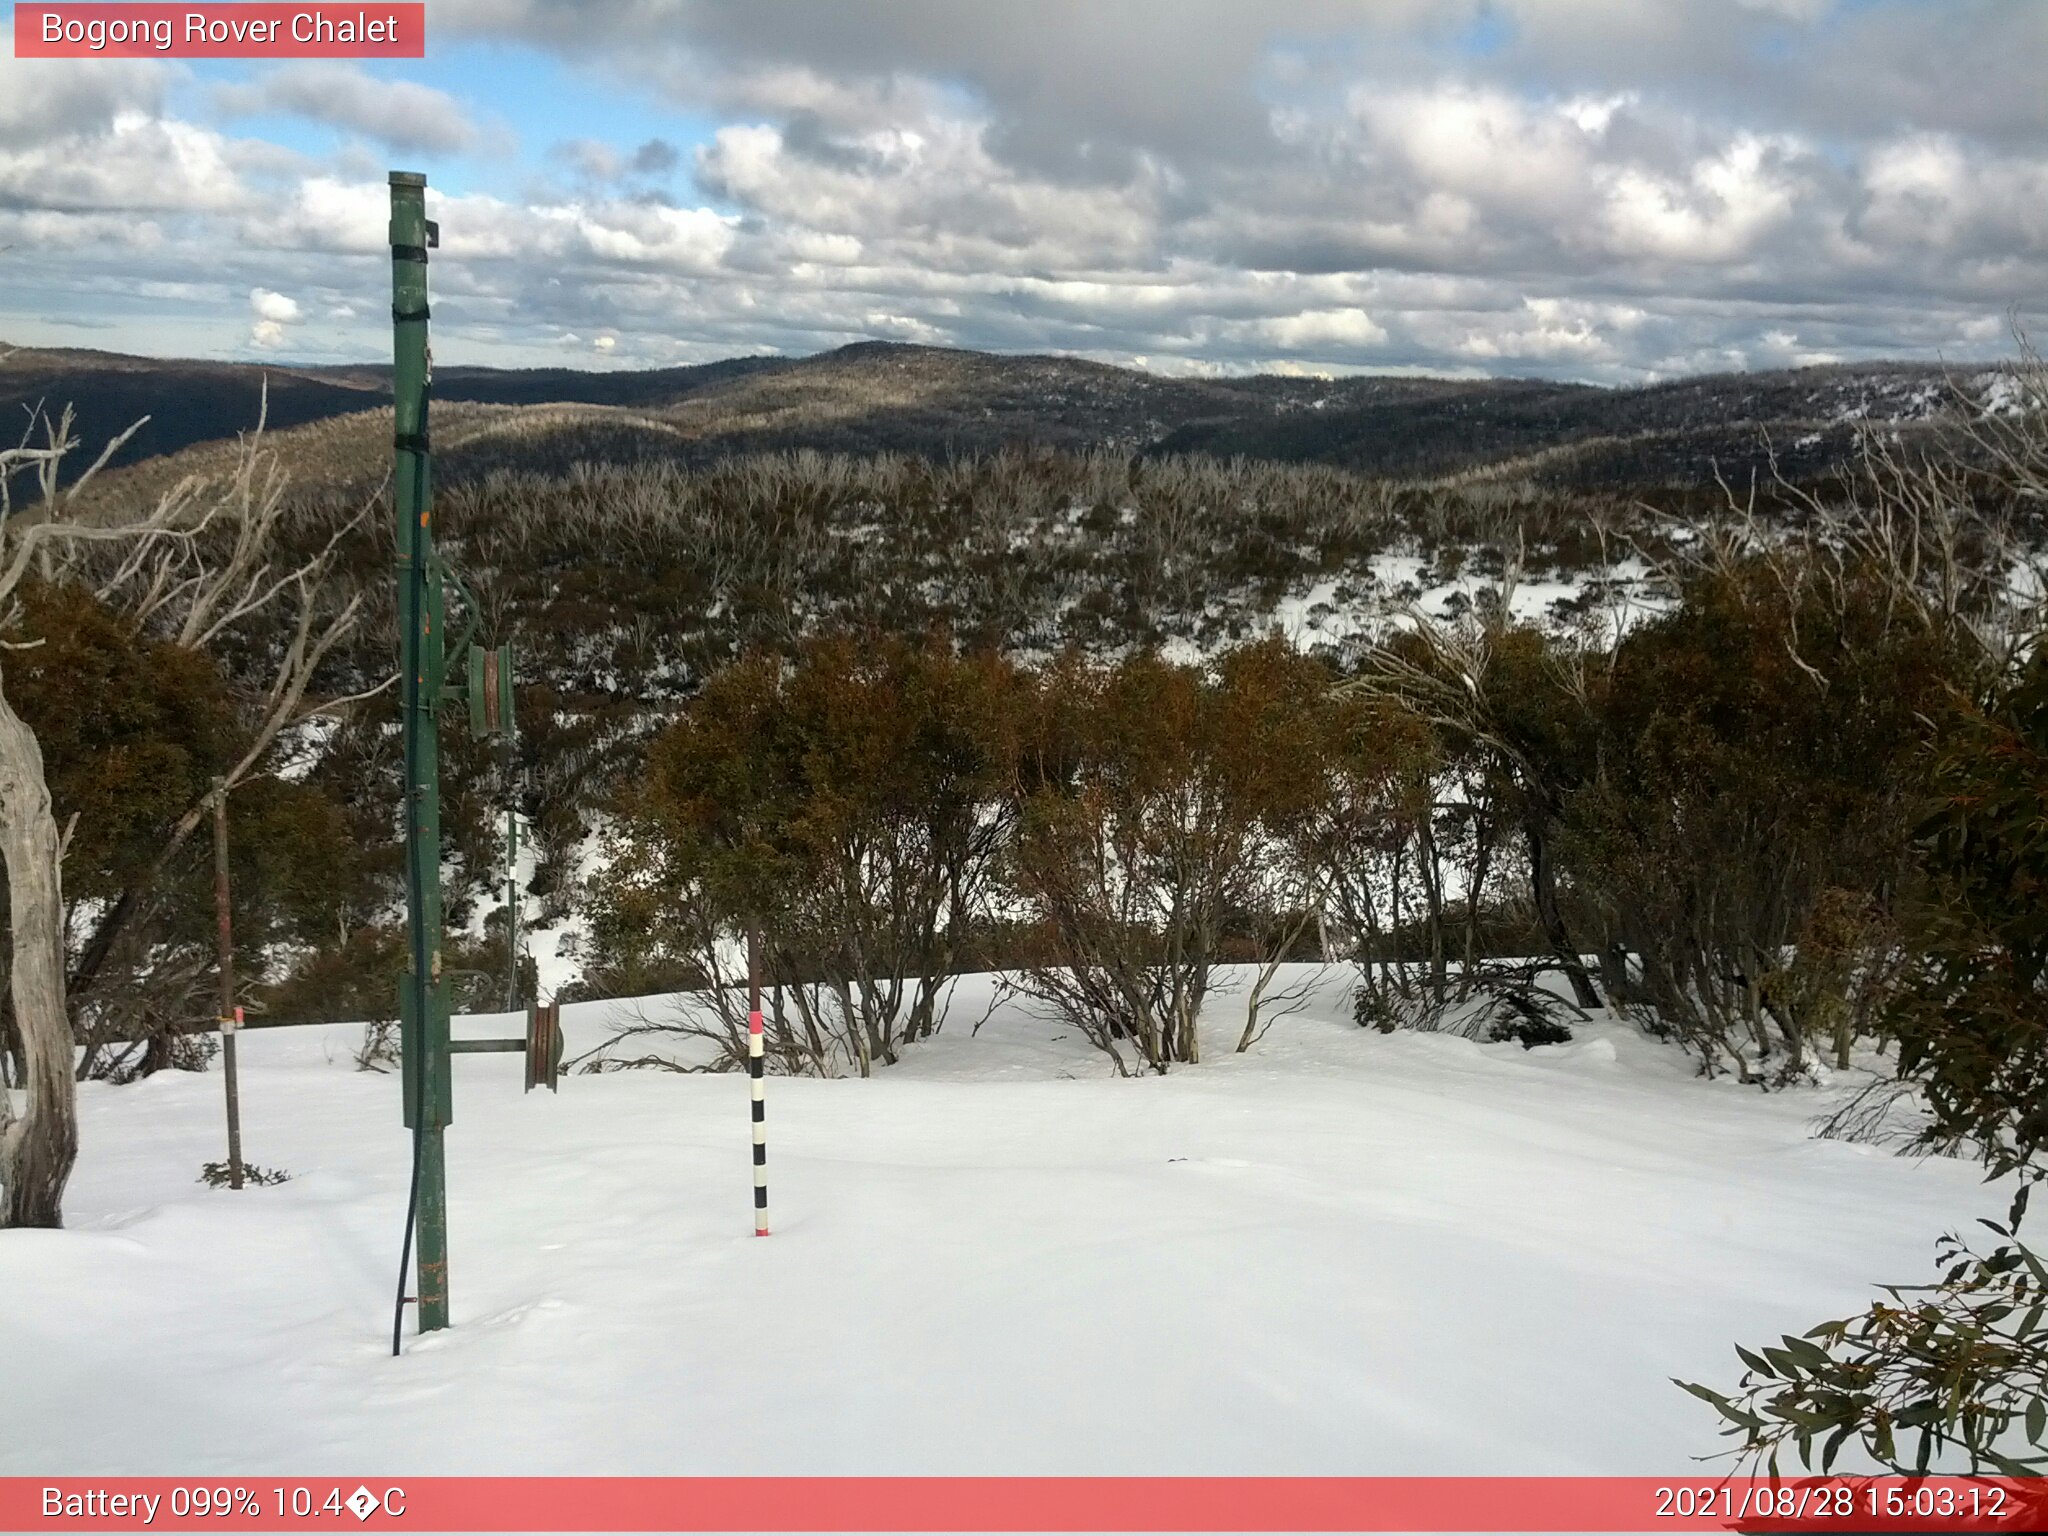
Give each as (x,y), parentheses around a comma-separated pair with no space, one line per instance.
(755,1064)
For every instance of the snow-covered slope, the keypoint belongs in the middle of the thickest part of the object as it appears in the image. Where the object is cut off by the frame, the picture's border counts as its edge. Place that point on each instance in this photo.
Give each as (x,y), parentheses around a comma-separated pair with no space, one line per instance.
(1342,1253)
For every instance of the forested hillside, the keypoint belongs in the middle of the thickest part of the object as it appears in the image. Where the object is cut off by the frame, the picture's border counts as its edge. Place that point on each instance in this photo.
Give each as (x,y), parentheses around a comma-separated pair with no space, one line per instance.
(885,398)
(629,588)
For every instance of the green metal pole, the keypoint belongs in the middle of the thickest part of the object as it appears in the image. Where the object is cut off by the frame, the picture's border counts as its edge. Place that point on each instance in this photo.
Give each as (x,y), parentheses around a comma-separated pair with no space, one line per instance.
(422,665)
(511,760)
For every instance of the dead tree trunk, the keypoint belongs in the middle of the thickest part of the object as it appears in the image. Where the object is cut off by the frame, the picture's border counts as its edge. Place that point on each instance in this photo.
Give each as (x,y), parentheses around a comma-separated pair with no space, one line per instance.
(37,1147)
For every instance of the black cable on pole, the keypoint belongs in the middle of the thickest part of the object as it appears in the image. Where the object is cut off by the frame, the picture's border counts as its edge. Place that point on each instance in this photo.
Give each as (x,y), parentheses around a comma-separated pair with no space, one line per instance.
(412,1211)
(415,893)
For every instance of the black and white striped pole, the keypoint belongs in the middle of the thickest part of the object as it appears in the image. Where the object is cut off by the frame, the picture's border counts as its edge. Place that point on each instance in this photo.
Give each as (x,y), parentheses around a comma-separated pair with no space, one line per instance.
(756,1064)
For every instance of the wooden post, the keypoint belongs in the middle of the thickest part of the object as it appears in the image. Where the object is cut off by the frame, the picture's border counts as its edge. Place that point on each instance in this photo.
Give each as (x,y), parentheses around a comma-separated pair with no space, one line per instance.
(230,1015)
(756,1083)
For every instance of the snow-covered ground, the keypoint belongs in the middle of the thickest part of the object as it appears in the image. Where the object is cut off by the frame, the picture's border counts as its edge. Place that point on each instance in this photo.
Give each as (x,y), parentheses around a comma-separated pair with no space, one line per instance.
(1343,1253)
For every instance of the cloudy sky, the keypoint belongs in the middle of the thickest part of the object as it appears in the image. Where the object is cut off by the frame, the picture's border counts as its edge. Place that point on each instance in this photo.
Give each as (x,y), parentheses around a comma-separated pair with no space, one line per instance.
(1604,191)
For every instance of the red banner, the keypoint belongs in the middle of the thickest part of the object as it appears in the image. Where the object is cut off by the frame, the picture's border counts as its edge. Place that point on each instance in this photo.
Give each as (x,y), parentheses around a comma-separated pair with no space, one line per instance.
(221,31)
(1838,1504)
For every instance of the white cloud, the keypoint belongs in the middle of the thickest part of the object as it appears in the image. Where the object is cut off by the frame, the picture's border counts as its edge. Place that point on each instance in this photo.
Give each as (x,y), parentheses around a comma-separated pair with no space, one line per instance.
(45,100)
(1317,330)
(273,307)
(932,187)
(1209,187)
(323,214)
(400,114)
(1719,211)
(591,159)
(1592,114)
(135,163)
(274,311)
(1487,147)
(682,239)
(1553,330)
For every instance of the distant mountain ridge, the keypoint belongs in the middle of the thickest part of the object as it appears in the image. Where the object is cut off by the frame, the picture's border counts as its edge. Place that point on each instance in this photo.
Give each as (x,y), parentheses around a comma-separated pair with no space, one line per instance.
(886,397)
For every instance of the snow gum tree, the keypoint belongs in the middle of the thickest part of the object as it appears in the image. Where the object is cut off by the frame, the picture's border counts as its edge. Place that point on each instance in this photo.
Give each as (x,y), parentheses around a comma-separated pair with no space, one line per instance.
(133,728)
(848,806)
(1366,833)
(1955,1370)
(1759,757)
(1154,807)
(1505,707)
(194,570)
(1971,1013)
(1959,1367)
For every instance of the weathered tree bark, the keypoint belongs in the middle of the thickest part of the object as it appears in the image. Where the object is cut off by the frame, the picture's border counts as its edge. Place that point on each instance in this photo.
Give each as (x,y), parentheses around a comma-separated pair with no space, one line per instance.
(7,1075)
(1614,972)
(1543,885)
(37,1147)
(1429,870)
(1475,898)
(1269,967)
